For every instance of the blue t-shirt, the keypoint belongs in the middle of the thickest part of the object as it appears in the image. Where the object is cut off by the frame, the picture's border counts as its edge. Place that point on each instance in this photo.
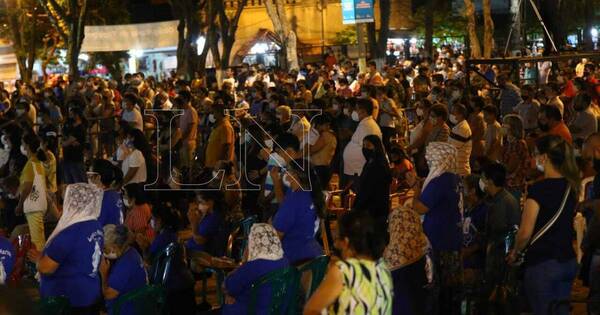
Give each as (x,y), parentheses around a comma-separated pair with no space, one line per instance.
(161,241)
(7,256)
(112,208)
(239,282)
(442,221)
(298,220)
(207,228)
(77,250)
(126,274)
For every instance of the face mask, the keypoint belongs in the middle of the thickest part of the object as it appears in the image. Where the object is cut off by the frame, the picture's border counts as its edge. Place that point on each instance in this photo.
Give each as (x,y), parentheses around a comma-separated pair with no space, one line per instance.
(286,181)
(39,120)
(355,116)
(346,112)
(212,118)
(481,184)
(269,144)
(543,127)
(452,119)
(215,174)
(111,256)
(153,224)
(539,165)
(368,153)
(23,150)
(20,112)
(126,202)
(129,143)
(5,141)
(420,112)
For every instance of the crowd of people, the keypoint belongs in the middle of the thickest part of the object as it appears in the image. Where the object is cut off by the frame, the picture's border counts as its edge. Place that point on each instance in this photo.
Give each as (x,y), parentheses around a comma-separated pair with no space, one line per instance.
(100,177)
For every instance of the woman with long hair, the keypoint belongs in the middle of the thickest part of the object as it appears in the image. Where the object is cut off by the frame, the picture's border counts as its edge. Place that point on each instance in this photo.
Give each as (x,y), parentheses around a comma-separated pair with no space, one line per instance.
(33,199)
(297,219)
(375,181)
(359,283)
(550,263)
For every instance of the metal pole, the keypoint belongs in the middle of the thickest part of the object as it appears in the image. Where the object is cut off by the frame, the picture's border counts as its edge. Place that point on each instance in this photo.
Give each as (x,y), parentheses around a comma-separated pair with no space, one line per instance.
(539,16)
(362,62)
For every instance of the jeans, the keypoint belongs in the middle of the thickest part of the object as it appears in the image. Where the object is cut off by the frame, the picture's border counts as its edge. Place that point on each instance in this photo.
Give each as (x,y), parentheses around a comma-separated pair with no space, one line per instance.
(548,282)
(409,289)
(35,220)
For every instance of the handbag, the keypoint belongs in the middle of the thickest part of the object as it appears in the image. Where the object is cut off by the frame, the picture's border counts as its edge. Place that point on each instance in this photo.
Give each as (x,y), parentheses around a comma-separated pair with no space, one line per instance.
(37,199)
(544,229)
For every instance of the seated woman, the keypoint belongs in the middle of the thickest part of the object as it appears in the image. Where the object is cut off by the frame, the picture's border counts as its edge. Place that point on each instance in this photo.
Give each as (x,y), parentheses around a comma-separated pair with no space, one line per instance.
(7,259)
(264,255)
(297,219)
(122,269)
(209,235)
(138,217)
(69,263)
(225,179)
(180,281)
(107,176)
(360,283)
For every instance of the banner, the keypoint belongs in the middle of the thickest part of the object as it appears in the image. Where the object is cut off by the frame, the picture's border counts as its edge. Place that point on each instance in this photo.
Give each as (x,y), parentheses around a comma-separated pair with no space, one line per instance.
(357,11)
(130,36)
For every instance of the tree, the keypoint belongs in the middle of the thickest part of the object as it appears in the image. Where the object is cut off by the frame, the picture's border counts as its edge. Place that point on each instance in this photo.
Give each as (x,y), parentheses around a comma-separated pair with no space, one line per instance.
(471,29)
(188,29)
(378,40)
(68,19)
(283,29)
(429,11)
(25,29)
(488,29)
(228,26)
(48,55)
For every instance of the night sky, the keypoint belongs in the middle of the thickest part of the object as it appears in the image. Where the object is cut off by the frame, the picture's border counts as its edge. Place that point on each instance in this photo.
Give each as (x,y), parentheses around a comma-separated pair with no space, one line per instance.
(144,11)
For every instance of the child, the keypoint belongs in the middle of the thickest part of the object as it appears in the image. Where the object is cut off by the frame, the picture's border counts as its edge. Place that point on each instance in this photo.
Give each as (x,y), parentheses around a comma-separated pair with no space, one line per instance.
(400,165)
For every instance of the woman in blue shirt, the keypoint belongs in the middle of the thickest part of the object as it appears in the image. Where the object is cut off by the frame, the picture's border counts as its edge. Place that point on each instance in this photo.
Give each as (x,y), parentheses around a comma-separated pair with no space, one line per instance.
(122,269)
(209,231)
(297,219)
(69,263)
(107,176)
(264,255)
(7,259)
(438,201)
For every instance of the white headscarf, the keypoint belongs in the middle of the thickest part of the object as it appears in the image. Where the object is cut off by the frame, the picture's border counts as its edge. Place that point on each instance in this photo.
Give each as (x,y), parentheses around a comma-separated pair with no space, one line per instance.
(83,202)
(441,158)
(263,243)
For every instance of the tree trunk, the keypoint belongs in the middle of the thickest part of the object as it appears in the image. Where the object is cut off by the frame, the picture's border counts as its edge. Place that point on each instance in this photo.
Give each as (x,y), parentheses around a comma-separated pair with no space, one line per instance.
(488,29)
(31,48)
(378,40)
(589,24)
(281,25)
(549,10)
(181,60)
(516,41)
(429,28)
(471,28)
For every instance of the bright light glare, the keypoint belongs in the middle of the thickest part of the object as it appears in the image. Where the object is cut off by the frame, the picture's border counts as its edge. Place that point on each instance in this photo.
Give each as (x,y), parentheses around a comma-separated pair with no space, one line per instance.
(84,57)
(594,32)
(259,48)
(200,42)
(137,53)
(413,40)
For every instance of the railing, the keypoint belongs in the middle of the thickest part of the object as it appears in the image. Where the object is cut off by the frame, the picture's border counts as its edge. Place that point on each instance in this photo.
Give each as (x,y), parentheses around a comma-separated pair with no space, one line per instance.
(230,4)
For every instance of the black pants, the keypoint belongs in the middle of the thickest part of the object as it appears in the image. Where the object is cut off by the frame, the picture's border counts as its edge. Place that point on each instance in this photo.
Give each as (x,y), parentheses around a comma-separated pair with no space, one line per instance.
(324,174)
(409,292)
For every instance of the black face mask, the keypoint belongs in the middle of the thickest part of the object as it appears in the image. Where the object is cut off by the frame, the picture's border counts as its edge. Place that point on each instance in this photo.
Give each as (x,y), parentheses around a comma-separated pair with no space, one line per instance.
(368,153)
(543,127)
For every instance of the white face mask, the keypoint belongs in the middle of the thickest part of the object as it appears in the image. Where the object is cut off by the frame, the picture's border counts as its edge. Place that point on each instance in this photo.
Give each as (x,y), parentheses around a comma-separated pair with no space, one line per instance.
(286,181)
(452,119)
(5,141)
(346,112)
(269,144)
(153,224)
(39,120)
(355,116)
(126,202)
(212,118)
(481,184)
(539,165)
(23,150)
(112,255)
(420,112)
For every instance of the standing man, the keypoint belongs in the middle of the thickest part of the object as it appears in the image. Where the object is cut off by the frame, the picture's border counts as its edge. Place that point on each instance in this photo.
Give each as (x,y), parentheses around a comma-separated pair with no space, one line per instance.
(510,95)
(188,127)
(220,141)
(460,137)
(354,159)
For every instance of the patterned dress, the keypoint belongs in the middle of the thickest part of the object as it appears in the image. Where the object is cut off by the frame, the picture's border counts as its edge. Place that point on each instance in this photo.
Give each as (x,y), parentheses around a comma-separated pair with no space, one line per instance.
(367,288)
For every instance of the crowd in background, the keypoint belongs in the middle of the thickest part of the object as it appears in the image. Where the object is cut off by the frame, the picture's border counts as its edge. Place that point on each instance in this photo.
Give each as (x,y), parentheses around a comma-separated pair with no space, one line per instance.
(101,175)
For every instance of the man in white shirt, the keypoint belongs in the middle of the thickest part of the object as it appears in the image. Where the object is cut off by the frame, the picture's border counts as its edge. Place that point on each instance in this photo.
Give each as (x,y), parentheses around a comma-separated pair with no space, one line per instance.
(460,137)
(353,156)
(131,114)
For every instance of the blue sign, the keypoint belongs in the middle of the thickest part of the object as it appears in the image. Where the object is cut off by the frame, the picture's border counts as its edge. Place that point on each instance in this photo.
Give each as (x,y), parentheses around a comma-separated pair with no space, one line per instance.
(357,11)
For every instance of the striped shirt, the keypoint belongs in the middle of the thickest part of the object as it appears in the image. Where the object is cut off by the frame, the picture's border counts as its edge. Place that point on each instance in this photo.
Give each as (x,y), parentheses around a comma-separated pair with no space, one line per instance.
(138,220)
(460,137)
